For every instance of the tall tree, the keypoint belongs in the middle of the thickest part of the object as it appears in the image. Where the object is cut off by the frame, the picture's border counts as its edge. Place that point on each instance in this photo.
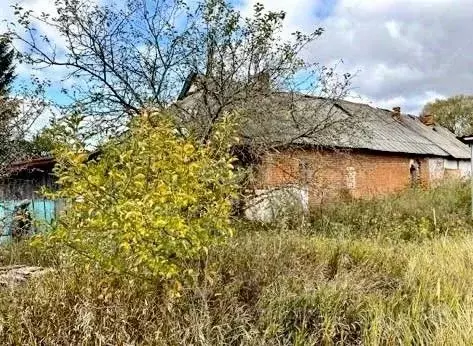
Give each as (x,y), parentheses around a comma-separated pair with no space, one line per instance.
(9,107)
(121,59)
(7,67)
(19,108)
(454,113)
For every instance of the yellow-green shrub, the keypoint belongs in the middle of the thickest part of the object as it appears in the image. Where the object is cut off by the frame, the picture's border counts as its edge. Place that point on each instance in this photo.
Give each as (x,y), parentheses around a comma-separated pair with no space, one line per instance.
(152,200)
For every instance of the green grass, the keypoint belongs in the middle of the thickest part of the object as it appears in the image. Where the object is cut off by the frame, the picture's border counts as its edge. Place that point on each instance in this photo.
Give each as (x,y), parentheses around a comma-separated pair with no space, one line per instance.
(380,272)
(411,215)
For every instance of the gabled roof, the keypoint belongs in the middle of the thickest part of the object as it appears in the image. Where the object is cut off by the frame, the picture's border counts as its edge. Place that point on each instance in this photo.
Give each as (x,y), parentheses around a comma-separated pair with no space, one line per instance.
(405,133)
(292,118)
(38,163)
(42,163)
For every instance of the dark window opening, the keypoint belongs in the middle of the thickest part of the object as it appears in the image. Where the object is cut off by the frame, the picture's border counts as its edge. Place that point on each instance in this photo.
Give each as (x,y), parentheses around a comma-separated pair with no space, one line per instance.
(415,172)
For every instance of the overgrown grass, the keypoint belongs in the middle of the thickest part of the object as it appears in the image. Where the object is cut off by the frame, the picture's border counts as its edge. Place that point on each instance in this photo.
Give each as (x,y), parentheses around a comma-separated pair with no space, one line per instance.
(410,215)
(359,273)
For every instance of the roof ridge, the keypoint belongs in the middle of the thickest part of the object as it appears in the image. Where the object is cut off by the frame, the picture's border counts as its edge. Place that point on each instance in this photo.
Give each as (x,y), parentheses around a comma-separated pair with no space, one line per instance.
(427,138)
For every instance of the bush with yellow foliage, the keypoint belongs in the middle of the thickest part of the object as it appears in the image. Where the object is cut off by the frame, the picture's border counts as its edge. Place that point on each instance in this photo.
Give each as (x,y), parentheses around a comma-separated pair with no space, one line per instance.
(153,199)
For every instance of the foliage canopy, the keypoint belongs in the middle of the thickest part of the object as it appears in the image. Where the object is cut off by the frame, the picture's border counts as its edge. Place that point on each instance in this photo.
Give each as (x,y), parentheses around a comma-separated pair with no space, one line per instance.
(7,67)
(120,59)
(454,113)
(151,201)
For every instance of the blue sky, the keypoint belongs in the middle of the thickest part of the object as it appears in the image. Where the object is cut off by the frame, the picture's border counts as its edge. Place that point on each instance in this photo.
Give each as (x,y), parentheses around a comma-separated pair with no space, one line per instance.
(324,9)
(403,52)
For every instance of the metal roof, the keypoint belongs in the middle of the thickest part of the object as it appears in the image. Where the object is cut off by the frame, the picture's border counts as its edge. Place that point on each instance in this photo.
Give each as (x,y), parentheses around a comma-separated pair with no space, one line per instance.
(36,163)
(405,133)
(280,118)
(350,125)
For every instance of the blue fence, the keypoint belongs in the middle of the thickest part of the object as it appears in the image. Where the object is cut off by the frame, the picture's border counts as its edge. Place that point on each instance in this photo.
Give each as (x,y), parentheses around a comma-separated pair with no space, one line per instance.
(42,211)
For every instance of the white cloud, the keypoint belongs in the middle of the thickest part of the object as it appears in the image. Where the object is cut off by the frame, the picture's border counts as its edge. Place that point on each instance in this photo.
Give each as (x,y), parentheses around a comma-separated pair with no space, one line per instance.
(24,71)
(299,13)
(38,7)
(404,52)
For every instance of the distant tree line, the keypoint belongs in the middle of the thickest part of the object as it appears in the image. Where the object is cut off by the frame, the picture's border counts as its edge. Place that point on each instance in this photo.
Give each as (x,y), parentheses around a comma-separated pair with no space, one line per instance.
(455,113)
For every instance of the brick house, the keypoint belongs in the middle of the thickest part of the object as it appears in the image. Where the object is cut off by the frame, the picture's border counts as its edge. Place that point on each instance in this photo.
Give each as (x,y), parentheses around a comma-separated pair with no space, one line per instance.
(357,151)
(399,151)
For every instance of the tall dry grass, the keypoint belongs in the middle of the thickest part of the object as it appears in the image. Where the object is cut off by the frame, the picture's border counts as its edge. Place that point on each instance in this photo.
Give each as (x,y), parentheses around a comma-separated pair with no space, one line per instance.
(356,274)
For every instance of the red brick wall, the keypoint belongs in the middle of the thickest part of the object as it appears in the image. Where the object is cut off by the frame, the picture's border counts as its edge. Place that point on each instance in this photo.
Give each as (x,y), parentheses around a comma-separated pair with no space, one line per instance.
(330,174)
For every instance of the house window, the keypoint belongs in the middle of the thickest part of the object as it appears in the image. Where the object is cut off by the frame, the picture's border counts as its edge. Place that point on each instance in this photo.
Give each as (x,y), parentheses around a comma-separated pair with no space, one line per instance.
(414,170)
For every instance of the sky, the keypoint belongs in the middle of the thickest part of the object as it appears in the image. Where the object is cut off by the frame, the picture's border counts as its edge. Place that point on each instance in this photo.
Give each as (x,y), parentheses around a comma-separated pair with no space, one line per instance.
(402,53)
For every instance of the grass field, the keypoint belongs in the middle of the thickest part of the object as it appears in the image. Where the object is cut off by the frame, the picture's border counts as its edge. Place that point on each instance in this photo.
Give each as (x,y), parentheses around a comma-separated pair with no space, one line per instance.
(386,272)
